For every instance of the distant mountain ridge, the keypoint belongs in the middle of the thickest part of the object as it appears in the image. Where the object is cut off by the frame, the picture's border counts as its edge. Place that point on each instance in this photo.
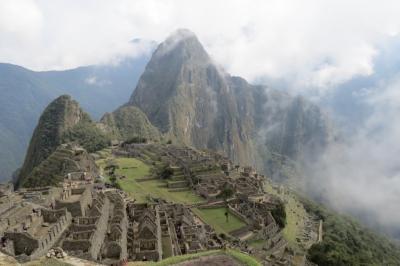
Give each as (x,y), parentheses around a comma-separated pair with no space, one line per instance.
(25,94)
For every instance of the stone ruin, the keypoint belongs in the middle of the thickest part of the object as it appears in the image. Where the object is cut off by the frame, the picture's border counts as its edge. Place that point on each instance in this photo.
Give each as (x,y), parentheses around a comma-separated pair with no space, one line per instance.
(32,232)
(158,231)
(209,174)
(104,225)
(144,234)
(83,222)
(86,233)
(114,247)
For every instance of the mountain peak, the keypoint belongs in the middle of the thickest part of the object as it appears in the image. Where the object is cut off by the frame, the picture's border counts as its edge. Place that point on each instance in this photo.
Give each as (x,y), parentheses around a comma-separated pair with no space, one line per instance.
(61,114)
(182,46)
(182,33)
(62,121)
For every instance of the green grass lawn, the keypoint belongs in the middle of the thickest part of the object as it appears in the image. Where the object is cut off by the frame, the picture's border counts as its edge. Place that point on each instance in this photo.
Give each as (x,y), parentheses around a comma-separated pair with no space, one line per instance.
(216,218)
(134,169)
(295,215)
(257,243)
(239,256)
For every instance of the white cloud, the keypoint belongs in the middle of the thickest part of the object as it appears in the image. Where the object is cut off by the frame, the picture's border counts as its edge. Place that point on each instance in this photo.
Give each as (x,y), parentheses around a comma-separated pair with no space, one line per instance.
(20,19)
(95,81)
(316,43)
(362,175)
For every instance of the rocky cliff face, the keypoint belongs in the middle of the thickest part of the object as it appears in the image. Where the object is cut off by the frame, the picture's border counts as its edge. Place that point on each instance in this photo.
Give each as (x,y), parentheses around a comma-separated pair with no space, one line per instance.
(188,98)
(193,101)
(62,121)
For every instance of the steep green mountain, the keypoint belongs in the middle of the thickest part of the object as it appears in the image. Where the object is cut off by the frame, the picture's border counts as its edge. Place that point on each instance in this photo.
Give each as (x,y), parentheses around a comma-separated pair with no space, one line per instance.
(62,121)
(193,101)
(67,158)
(25,93)
(346,242)
(128,122)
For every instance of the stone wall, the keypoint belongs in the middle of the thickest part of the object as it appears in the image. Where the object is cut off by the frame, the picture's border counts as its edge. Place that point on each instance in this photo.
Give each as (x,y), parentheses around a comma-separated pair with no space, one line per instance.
(101,226)
(75,208)
(24,243)
(79,207)
(115,243)
(52,216)
(80,228)
(76,245)
(54,233)
(87,233)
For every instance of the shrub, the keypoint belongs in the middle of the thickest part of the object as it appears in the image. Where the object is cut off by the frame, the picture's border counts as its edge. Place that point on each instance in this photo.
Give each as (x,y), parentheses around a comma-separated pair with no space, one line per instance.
(136,139)
(279,214)
(166,172)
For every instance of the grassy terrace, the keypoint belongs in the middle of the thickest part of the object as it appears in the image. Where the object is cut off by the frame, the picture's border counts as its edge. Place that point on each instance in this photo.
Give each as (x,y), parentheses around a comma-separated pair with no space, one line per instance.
(239,256)
(134,169)
(295,216)
(216,218)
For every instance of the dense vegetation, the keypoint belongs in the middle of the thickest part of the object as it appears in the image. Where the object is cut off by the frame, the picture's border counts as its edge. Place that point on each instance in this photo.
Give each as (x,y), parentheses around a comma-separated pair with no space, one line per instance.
(136,139)
(130,124)
(88,136)
(166,172)
(279,214)
(345,242)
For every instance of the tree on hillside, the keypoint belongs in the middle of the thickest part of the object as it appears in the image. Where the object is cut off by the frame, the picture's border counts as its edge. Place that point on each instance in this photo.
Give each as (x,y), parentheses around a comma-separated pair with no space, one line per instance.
(166,172)
(279,214)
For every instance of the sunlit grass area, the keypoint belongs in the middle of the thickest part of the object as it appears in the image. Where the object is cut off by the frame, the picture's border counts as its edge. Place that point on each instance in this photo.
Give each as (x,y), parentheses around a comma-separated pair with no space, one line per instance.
(237,255)
(216,218)
(295,215)
(134,170)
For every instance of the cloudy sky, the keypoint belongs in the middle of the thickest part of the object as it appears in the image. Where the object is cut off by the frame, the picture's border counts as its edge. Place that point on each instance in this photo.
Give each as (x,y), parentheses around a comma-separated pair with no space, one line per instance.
(316,43)
(328,47)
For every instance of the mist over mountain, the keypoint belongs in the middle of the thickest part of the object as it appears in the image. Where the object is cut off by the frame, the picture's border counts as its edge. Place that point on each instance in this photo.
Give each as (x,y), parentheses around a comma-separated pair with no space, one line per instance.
(361,176)
(25,93)
(193,101)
